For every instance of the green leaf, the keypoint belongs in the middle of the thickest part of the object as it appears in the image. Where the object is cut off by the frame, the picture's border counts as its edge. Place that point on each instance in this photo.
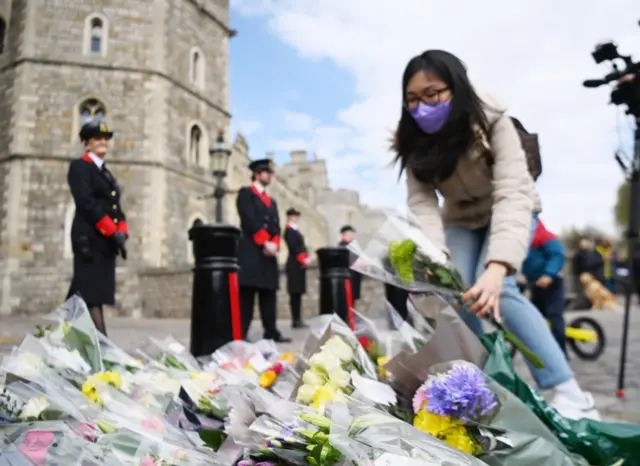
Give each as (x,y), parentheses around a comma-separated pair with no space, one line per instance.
(213,438)
(86,346)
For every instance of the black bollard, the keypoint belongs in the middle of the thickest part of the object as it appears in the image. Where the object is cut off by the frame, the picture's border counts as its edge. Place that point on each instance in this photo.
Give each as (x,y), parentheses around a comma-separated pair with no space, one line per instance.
(335,283)
(397,297)
(215,304)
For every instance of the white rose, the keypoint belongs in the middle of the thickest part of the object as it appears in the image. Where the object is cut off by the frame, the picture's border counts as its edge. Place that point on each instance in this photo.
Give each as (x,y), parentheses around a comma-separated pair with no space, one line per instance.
(311,377)
(340,378)
(337,346)
(34,407)
(306,393)
(325,360)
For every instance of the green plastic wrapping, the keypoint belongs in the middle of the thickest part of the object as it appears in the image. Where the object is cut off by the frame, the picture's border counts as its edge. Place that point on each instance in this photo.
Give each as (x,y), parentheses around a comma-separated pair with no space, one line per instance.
(600,443)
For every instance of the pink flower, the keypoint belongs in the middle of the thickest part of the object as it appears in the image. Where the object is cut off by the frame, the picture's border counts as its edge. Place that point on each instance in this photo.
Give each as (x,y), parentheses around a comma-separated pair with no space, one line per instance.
(153,423)
(419,399)
(149,461)
(278,368)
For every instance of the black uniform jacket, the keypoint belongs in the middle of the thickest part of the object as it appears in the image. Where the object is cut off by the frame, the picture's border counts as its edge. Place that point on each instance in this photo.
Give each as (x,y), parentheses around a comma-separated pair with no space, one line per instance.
(98,216)
(356,278)
(259,223)
(295,268)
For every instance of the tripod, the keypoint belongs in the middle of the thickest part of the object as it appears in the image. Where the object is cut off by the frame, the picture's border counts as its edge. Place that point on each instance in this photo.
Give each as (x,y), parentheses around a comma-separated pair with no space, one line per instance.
(633,174)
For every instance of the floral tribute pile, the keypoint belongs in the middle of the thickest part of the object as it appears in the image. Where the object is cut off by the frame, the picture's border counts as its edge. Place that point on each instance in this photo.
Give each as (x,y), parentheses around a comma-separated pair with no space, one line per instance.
(70,396)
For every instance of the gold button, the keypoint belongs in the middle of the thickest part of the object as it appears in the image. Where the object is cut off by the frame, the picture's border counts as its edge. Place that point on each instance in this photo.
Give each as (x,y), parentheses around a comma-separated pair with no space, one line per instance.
(113,193)
(115,206)
(115,220)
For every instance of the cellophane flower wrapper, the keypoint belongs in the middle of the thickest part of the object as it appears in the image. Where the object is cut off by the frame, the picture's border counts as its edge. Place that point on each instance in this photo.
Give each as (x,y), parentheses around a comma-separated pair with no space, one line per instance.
(332,362)
(115,357)
(282,430)
(412,338)
(459,404)
(600,443)
(51,442)
(400,254)
(367,436)
(170,353)
(76,331)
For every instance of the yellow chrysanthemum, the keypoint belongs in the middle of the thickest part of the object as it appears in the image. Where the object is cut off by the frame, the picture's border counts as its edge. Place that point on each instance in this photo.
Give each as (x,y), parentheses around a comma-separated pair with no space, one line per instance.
(381,361)
(267,379)
(89,386)
(287,357)
(447,429)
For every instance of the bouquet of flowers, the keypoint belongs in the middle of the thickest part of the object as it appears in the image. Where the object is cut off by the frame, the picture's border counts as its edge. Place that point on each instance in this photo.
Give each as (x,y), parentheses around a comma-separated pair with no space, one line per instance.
(411,261)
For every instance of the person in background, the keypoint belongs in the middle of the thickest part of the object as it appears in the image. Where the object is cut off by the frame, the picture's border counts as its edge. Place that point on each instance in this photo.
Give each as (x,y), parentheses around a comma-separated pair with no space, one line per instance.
(606,251)
(460,143)
(99,231)
(348,234)
(542,268)
(587,260)
(258,251)
(296,267)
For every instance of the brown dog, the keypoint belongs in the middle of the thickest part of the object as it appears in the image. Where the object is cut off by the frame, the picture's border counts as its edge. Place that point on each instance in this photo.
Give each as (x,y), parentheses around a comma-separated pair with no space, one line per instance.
(600,297)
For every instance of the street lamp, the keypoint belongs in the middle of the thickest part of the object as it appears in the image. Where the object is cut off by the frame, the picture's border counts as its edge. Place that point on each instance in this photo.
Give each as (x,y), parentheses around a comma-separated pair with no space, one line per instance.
(220,155)
(215,302)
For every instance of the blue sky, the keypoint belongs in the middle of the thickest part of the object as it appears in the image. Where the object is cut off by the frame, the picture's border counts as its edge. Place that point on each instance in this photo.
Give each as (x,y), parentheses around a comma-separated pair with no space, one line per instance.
(270,80)
(323,75)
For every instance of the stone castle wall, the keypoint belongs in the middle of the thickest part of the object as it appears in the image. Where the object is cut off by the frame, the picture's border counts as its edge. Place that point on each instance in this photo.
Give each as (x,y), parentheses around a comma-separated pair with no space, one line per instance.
(153,95)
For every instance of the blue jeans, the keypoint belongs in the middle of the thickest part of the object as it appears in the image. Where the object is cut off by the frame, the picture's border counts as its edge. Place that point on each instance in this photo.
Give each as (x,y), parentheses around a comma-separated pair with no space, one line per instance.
(468,251)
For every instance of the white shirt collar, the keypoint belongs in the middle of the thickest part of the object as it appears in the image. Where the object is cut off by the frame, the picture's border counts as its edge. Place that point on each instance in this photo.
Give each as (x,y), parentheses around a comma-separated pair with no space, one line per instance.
(259,187)
(97,160)
(293,226)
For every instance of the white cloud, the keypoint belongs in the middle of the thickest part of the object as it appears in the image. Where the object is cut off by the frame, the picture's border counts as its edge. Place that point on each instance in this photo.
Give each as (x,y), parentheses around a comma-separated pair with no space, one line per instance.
(298,122)
(248,127)
(533,54)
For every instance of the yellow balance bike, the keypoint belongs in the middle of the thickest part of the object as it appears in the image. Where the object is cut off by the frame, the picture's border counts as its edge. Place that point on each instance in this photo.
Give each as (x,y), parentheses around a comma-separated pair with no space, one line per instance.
(585,336)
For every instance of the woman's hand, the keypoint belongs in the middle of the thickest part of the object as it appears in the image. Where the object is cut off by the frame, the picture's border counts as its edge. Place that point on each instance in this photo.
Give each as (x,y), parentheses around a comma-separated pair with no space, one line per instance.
(486,291)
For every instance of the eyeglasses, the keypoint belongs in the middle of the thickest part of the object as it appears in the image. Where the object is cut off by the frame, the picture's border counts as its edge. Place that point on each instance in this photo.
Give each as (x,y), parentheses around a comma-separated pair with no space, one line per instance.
(429,97)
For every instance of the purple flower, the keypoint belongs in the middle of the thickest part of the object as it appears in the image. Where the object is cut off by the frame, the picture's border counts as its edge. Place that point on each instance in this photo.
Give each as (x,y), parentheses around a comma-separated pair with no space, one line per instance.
(461,393)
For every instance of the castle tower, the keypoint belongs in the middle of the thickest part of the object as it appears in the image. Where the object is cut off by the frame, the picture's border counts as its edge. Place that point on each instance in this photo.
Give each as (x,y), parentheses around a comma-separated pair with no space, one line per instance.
(157,71)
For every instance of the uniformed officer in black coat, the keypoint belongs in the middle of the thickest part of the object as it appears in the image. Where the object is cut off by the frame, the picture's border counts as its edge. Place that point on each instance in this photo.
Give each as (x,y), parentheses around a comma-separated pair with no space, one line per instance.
(257,254)
(297,263)
(99,230)
(349,234)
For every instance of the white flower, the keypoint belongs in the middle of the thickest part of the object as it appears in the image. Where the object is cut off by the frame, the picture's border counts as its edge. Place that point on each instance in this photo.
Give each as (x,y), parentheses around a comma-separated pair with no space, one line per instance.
(311,377)
(238,422)
(340,378)
(34,407)
(325,361)
(306,393)
(62,358)
(339,348)
(125,384)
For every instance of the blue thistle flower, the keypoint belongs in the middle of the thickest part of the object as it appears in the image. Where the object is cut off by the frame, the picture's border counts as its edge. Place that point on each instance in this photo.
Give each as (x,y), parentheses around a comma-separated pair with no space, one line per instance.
(461,393)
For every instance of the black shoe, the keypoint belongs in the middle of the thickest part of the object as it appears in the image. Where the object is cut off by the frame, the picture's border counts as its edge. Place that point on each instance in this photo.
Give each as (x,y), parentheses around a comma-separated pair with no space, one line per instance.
(298,324)
(281,339)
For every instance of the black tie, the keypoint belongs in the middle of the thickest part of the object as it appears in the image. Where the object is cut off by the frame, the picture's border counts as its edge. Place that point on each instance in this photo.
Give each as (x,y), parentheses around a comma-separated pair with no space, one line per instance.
(107,173)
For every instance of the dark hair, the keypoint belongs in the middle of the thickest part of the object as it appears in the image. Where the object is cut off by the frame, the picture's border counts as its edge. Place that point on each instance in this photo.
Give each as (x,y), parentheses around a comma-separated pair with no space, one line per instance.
(433,157)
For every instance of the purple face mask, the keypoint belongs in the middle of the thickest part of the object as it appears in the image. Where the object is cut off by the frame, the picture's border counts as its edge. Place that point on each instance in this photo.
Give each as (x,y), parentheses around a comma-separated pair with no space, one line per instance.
(431,118)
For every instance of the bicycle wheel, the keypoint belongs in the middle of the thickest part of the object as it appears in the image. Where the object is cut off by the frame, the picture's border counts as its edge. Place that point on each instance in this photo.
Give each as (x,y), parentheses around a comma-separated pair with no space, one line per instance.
(587,351)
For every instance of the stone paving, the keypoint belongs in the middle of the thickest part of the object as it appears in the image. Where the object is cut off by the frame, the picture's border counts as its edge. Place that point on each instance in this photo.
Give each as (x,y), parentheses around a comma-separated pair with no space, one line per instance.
(599,377)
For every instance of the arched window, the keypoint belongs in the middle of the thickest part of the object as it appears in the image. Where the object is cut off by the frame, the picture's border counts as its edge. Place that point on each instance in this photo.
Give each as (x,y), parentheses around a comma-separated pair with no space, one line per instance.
(91,109)
(87,110)
(3,32)
(197,145)
(70,211)
(96,35)
(196,68)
